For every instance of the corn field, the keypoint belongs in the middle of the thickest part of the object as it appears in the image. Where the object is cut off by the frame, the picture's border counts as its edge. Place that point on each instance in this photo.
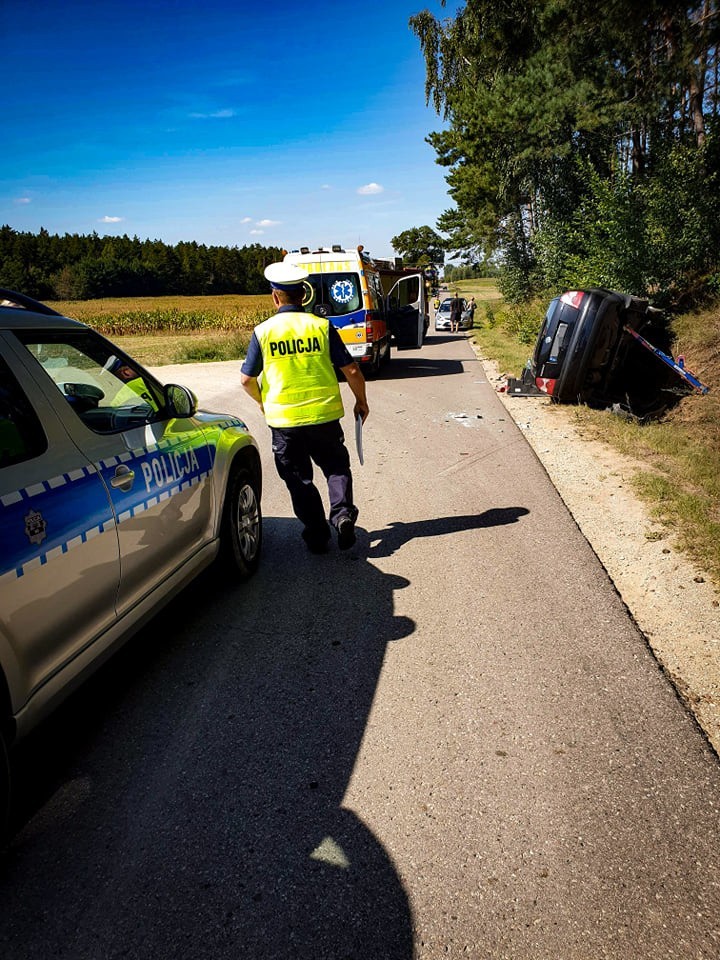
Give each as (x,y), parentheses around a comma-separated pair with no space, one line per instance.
(169,315)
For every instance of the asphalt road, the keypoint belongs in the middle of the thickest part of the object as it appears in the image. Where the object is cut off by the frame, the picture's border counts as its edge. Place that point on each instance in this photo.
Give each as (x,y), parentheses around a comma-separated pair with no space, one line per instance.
(451,741)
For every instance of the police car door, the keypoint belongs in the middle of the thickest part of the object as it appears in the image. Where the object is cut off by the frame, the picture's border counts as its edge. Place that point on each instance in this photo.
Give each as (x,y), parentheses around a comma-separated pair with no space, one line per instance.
(405,305)
(59,562)
(156,467)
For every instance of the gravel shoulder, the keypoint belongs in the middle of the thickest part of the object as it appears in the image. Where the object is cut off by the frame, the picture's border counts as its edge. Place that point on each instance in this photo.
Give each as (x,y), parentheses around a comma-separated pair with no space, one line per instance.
(675,607)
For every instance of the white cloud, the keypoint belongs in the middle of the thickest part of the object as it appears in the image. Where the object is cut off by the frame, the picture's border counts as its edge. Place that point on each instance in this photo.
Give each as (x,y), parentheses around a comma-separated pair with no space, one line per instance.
(216,115)
(256,233)
(23,200)
(326,186)
(246,220)
(268,223)
(111,219)
(369,189)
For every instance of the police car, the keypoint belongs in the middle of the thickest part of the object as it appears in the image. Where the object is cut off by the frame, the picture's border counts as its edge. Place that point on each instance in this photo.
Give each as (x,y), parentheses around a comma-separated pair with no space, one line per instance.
(114,492)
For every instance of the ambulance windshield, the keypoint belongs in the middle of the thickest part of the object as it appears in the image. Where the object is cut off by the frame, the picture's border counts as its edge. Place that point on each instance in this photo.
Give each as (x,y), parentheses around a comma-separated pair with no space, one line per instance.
(332,294)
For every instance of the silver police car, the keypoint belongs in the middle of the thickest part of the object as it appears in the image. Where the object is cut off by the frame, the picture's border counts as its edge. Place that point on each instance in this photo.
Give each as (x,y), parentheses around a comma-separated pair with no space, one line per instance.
(114,492)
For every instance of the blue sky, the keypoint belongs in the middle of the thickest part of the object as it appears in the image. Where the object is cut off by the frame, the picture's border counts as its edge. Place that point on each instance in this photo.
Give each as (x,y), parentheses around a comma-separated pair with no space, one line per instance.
(222,122)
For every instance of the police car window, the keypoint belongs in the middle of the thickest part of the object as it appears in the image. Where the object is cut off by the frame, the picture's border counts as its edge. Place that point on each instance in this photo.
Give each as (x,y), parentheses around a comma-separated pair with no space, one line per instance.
(336,294)
(104,389)
(21,436)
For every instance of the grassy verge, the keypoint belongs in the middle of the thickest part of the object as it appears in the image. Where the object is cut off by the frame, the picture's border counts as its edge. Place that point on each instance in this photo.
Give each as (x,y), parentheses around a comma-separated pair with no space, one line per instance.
(680,455)
(484,289)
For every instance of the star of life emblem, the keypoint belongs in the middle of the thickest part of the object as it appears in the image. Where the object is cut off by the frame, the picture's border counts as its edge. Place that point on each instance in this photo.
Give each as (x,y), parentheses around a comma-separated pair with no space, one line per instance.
(342,291)
(35,526)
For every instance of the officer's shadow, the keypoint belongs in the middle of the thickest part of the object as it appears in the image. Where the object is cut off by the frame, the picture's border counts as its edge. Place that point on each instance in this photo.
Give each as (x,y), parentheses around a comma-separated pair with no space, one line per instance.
(240,836)
(383,543)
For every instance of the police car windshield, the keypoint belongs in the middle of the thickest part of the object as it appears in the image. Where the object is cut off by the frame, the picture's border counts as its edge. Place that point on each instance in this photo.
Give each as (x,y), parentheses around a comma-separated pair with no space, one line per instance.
(336,293)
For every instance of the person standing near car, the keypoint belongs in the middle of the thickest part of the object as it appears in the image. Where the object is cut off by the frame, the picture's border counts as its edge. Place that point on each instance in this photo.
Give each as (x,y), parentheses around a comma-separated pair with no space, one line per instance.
(297,354)
(456,309)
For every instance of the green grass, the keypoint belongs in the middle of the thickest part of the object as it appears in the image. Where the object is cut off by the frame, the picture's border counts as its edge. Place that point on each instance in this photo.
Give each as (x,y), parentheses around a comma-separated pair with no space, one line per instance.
(506,333)
(680,477)
(482,289)
(509,354)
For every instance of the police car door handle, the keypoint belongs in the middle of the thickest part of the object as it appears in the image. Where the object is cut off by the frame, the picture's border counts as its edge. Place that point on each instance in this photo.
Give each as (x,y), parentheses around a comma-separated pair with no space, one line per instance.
(124,478)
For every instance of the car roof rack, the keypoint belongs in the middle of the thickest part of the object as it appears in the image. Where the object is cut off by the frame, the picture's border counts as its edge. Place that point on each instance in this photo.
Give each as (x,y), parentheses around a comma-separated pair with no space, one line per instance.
(9,298)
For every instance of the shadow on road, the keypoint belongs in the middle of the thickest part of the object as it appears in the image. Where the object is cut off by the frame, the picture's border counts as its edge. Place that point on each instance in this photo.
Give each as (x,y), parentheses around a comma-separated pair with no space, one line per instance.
(440,337)
(189,800)
(383,543)
(402,368)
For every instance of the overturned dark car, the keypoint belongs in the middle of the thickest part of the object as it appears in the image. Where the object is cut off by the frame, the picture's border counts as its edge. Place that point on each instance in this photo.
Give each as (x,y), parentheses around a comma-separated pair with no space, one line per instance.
(591,350)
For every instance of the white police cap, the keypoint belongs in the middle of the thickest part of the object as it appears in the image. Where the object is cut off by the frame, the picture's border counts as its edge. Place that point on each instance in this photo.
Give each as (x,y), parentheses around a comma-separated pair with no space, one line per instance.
(285,276)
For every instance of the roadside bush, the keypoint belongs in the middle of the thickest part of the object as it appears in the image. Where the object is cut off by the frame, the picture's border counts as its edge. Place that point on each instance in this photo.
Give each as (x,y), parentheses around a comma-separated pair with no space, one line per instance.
(683,221)
(231,347)
(524,322)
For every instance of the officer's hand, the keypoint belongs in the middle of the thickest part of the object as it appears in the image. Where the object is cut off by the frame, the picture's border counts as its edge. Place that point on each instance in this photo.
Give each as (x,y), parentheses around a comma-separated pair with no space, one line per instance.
(361,410)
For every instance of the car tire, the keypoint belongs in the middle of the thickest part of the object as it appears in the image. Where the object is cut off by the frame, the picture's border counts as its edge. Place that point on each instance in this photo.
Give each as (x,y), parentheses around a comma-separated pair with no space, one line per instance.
(241,533)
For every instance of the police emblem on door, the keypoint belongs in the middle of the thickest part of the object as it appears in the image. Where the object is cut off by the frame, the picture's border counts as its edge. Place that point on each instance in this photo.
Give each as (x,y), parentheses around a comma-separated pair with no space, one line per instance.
(35,527)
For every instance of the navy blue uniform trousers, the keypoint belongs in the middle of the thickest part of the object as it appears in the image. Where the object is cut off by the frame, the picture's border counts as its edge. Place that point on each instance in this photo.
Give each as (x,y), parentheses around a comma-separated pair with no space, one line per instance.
(295,450)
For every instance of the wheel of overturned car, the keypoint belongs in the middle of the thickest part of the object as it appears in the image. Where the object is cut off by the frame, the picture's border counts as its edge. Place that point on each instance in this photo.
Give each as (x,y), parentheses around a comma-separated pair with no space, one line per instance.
(241,534)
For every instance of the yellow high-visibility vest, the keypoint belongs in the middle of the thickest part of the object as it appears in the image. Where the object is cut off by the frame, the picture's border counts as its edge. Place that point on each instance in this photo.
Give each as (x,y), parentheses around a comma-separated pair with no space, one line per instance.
(299,385)
(137,385)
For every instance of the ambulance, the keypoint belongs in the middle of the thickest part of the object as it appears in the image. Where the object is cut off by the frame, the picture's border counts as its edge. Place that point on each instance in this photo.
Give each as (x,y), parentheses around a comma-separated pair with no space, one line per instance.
(374,304)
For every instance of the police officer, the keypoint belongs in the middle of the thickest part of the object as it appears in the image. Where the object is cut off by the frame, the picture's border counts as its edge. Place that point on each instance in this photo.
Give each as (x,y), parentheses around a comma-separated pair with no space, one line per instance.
(299,393)
(132,379)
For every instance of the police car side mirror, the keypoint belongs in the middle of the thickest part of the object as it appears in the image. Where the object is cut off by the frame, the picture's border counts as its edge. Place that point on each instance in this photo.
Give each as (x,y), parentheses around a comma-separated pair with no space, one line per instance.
(179,401)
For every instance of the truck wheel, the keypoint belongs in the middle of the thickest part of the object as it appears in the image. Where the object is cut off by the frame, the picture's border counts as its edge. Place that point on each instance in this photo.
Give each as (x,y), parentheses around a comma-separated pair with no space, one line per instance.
(241,533)
(385,359)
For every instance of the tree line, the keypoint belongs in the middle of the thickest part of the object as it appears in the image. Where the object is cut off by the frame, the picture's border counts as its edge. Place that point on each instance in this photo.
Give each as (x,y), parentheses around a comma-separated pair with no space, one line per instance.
(76,267)
(582,141)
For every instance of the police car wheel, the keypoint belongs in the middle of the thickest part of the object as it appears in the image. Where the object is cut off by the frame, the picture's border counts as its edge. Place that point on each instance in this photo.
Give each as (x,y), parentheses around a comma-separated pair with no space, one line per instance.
(241,535)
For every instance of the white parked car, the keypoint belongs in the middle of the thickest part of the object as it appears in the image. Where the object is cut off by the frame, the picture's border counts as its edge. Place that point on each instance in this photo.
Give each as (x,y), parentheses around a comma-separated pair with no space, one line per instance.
(442,315)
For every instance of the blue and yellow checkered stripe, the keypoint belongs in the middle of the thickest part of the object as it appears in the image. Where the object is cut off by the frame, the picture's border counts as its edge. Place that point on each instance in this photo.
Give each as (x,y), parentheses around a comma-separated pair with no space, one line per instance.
(72,507)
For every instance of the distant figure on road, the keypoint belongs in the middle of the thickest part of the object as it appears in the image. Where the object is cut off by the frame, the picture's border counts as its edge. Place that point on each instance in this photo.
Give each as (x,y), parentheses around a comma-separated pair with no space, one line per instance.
(456,309)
